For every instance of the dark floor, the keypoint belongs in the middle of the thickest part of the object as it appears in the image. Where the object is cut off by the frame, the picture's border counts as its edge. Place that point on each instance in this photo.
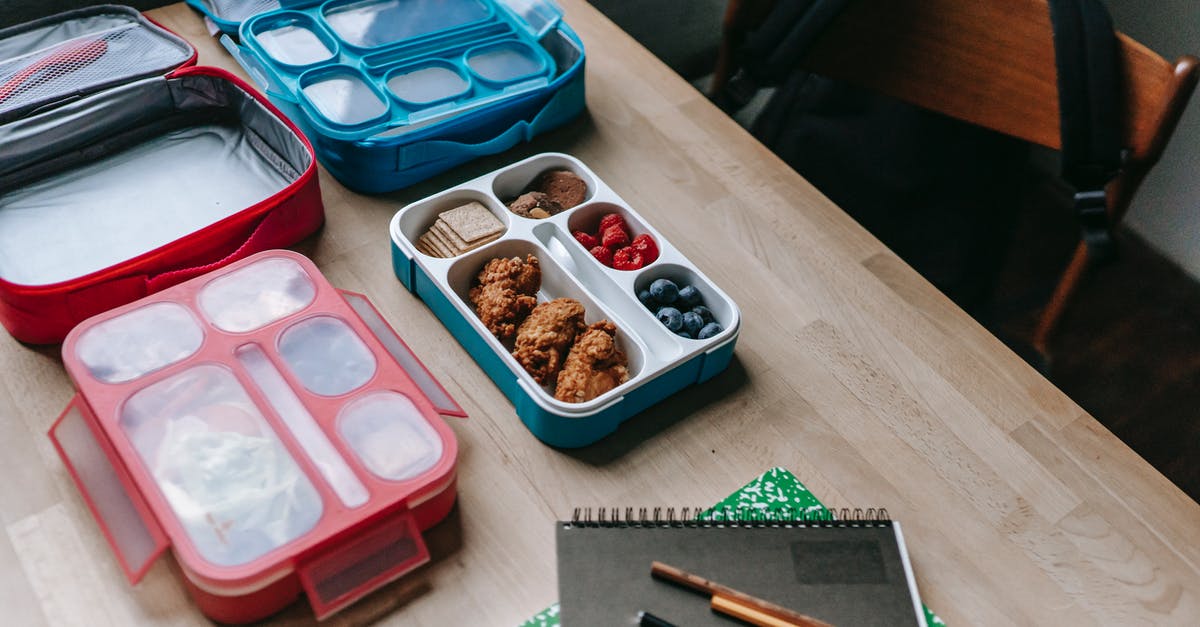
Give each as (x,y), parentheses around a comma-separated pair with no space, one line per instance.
(1128,348)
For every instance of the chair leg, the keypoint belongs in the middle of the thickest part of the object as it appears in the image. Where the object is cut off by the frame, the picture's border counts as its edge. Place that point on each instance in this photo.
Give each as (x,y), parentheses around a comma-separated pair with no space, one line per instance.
(1058,301)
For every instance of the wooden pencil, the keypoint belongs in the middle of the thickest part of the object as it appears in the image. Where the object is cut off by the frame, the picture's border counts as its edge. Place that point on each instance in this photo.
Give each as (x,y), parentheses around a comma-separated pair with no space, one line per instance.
(733,598)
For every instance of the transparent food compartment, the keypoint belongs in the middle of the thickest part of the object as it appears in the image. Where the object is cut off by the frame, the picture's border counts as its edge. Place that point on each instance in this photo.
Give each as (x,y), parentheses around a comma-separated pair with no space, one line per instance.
(326,355)
(343,96)
(513,181)
(723,310)
(418,219)
(556,283)
(256,295)
(293,39)
(427,84)
(375,23)
(390,435)
(228,478)
(139,342)
(506,62)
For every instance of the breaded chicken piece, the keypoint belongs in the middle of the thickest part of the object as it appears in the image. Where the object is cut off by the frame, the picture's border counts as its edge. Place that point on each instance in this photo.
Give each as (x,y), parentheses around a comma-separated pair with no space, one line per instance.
(505,292)
(545,337)
(594,366)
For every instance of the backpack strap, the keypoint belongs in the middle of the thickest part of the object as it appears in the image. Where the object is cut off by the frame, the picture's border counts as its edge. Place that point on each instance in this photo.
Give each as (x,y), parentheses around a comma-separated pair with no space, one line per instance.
(1085,51)
(1086,59)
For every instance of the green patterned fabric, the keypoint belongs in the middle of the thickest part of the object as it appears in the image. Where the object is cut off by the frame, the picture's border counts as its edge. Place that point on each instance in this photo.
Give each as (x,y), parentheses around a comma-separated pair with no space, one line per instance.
(776,493)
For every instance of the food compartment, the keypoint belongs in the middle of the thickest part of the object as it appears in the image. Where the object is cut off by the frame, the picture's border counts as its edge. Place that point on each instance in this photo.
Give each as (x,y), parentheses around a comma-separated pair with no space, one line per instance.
(419,221)
(294,39)
(427,84)
(632,247)
(343,96)
(139,342)
(654,297)
(506,62)
(523,177)
(504,313)
(231,483)
(390,435)
(256,295)
(375,23)
(327,356)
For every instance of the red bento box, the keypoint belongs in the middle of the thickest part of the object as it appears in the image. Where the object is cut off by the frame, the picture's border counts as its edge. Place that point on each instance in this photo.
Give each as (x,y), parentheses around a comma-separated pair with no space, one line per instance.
(125,170)
(274,432)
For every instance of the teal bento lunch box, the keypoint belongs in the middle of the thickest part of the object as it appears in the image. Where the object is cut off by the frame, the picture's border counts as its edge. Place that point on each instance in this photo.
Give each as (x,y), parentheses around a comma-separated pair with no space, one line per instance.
(660,363)
(391,92)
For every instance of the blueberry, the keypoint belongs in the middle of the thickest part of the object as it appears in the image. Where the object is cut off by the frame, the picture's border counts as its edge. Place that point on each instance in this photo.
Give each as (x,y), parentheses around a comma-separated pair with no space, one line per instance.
(690,296)
(709,330)
(685,333)
(671,318)
(664,291)
(647,300)
(692,322)
(705,313)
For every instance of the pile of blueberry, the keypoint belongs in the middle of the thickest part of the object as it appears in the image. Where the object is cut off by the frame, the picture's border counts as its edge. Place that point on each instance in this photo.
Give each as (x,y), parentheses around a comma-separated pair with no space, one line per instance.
(680,309)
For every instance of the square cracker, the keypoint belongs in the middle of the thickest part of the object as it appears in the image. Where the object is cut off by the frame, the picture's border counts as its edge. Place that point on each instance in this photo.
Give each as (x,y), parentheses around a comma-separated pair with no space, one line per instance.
(472,222)
(451,249)
(436,246)
(452,238)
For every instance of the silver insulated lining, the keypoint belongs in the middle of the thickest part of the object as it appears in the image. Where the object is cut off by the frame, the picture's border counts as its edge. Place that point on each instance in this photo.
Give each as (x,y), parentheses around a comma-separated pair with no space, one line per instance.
(106,178)
(50,60)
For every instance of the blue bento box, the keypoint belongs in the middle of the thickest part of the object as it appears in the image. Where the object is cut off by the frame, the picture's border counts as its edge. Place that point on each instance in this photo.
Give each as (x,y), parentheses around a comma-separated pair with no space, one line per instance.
(391,92)
(661,363)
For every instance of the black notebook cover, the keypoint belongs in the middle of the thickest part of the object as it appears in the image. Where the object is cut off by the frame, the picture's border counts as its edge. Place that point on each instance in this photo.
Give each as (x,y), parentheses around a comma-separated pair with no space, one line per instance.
(846,574)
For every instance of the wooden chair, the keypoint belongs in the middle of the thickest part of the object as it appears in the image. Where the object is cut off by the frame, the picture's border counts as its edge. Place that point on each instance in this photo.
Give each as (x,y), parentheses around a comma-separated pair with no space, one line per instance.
(991,63)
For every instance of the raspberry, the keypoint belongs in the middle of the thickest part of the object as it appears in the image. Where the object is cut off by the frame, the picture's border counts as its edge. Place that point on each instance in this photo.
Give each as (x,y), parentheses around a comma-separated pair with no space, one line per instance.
(614,237)
(627,259)
(645,245)
(589,241)
(612,219)
(603,255)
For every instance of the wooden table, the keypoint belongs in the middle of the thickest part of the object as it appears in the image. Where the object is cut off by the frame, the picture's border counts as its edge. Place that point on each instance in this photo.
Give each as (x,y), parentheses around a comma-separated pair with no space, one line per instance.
(851,371)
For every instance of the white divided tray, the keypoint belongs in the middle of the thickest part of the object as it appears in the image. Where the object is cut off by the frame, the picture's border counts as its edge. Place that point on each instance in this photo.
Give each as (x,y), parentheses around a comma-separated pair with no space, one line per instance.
(660,362)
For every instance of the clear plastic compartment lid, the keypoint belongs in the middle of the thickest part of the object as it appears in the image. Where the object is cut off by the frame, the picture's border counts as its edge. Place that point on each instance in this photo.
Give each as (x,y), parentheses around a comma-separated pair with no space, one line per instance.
(374,23)
(139,342)
(233,486)
(80,52)
(390,436)
(256,295)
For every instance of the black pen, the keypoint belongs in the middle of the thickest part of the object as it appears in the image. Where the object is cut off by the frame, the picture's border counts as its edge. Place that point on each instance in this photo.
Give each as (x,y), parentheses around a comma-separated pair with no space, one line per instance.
(646,619)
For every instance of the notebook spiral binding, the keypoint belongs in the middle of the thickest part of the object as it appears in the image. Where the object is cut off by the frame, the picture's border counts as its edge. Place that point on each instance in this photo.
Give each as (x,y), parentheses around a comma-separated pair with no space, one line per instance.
(728,517)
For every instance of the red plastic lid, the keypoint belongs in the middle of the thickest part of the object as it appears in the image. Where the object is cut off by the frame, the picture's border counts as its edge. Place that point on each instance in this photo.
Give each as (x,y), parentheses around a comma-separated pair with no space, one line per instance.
(264,422)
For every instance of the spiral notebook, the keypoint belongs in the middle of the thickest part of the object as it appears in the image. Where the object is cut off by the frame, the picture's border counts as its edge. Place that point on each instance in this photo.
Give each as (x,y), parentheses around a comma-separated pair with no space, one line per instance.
(850,571)
(776,490)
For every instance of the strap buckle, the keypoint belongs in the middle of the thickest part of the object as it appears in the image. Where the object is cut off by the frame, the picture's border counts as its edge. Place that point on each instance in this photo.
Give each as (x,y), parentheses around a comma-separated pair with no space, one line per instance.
(1092,208)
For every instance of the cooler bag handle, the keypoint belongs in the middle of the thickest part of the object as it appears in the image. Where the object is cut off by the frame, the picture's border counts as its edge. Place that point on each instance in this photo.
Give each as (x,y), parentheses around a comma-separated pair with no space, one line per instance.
(262,230)
(263,76)
(362,563)
(118,507)
(409,362)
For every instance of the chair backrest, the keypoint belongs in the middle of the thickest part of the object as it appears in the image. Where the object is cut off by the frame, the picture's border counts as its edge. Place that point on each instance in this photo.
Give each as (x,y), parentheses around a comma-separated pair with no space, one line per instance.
(991,63)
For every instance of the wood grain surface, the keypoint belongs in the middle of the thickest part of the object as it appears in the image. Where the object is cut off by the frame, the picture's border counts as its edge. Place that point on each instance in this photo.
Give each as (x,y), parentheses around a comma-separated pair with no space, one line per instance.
(851,371)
